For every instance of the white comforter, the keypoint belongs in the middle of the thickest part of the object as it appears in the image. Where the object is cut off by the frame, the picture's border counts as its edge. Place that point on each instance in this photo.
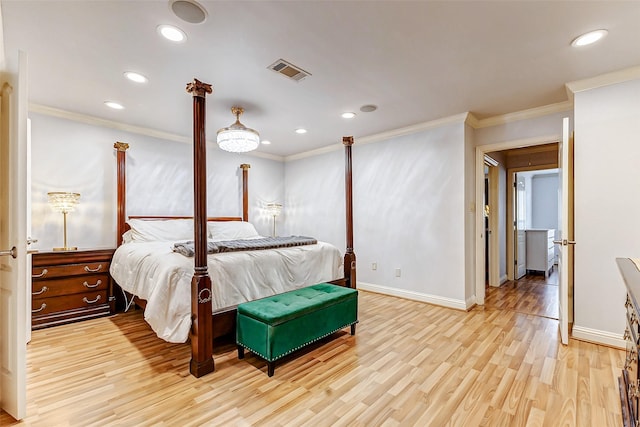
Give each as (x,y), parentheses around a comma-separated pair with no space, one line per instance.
(153,272)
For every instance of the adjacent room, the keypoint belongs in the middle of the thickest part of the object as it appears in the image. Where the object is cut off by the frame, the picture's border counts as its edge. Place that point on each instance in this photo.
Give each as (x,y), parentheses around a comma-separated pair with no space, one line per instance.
(319,213)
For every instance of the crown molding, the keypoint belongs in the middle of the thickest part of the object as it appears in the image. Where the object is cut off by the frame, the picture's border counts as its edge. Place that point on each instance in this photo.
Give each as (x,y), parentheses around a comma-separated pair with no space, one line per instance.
(524,114)
(96,121)
(382,136)
(472,121)
(607,79)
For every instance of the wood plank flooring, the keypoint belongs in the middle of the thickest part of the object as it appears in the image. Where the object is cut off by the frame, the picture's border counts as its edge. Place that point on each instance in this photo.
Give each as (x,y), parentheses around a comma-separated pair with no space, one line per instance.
(532,294)
(410,363)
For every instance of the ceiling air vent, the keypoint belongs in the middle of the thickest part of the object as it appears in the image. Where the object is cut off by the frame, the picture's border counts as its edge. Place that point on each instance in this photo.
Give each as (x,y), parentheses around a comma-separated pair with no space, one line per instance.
(288,70)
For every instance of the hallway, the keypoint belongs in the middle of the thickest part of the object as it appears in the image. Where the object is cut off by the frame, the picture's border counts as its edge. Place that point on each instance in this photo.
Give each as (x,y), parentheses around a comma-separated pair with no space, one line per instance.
(532,294)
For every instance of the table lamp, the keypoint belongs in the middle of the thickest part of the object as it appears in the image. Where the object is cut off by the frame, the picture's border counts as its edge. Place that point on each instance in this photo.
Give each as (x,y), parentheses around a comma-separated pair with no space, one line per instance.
(65,203)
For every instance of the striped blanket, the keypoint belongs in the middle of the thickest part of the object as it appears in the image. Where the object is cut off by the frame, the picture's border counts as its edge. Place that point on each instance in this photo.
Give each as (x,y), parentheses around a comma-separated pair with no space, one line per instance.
(188,248)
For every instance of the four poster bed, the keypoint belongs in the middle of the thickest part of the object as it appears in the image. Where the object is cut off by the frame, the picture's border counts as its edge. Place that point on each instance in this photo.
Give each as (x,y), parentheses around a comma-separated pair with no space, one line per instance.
(237,276)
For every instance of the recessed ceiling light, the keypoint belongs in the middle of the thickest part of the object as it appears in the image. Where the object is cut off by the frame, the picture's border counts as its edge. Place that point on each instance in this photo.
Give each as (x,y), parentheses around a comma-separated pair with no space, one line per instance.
(172,33)
(114,105)
(368,108)
(301,131)
(265,142)
(589,38)
(135,77)
(348,115)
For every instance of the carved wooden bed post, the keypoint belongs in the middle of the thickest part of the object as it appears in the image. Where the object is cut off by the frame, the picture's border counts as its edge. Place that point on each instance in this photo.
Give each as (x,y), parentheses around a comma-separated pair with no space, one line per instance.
(349,256)
(201,315)
(121,157)
(245,191)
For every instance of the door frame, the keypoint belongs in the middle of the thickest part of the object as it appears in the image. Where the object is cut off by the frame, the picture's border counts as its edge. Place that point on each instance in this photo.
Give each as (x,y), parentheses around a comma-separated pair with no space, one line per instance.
(511,177)
(481,150)
(494,220)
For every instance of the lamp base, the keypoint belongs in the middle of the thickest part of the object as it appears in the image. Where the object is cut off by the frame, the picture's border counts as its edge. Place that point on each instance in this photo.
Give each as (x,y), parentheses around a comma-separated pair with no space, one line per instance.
(74,248)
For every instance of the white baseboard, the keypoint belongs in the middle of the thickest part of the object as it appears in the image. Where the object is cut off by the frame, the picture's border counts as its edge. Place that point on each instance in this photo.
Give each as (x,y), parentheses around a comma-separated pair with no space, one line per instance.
(503,279)
(598,337)
(417,296)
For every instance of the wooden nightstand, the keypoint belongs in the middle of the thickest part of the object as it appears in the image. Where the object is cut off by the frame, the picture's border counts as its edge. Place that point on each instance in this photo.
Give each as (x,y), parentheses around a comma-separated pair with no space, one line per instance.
(70,286)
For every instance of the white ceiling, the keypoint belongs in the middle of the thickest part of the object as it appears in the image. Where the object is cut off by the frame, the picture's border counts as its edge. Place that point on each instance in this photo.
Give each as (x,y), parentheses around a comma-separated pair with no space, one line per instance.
(417,61)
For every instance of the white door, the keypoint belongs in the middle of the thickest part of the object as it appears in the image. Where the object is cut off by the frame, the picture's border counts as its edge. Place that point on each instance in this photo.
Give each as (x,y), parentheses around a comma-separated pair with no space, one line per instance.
(520,224)
(13,238)
(565,220)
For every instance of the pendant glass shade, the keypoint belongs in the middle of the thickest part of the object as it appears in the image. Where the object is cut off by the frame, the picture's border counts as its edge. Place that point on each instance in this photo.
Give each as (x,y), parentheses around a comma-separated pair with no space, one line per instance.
(237,138)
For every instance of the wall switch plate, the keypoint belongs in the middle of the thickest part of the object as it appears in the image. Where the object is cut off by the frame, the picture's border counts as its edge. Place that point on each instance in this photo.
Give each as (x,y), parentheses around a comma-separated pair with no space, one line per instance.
(397,272)
(374,266)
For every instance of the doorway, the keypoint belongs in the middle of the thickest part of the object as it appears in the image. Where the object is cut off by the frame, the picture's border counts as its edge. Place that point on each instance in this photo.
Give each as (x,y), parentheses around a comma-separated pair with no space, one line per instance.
(530,154)
(529,198)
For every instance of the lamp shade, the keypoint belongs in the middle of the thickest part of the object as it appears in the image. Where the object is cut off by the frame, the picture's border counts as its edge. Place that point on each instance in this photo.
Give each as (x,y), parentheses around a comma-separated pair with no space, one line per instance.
(274,209)
(238,138)
(63,202)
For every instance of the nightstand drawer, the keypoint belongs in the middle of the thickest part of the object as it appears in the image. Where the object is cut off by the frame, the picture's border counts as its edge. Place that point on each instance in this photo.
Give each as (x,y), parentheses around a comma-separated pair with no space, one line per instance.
(47,272)
(71,285)
(42,306)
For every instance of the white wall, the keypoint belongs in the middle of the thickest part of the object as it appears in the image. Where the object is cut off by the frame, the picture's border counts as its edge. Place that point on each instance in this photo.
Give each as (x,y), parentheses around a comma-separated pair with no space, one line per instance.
(536,127)
(607,206)
(544,201)
(409,210)
(73,156)
(541,189)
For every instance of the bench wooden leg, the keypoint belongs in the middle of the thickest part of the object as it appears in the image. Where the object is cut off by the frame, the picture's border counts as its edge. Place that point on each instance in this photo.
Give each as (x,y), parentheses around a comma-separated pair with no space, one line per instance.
(240,352)
(271,367)
(353,329)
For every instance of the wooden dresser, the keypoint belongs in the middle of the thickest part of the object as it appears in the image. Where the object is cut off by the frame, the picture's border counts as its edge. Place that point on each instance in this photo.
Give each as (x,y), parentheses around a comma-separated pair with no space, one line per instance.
(70,286)
(629,381)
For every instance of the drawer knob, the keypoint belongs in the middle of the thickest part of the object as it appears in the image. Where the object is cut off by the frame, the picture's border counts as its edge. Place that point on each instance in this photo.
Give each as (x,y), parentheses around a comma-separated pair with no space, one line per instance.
(36,276)
(42,307)
(89,270)
(87,285)
(91,301)
(41,291)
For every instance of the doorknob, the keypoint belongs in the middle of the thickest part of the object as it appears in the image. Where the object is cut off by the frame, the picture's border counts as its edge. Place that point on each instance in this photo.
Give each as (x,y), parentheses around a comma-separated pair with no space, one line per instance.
(13,252)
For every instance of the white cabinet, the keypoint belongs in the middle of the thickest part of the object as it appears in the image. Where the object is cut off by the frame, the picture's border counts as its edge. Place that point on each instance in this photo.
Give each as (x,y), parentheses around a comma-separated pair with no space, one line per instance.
(540,250)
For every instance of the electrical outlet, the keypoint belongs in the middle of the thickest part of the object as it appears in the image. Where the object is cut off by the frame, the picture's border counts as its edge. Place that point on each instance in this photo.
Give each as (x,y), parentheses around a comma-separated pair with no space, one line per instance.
(374,266)
(397,272)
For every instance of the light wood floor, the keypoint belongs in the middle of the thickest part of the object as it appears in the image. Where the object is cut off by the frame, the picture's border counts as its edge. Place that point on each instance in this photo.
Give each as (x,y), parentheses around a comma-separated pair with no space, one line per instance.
(410,363)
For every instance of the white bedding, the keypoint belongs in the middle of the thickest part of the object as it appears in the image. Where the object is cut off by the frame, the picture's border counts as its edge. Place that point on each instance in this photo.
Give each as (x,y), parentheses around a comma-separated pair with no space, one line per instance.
(153,272)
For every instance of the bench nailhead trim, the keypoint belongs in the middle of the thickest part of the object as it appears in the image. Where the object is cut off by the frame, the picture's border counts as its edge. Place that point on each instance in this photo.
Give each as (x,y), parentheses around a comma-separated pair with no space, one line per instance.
(297,348)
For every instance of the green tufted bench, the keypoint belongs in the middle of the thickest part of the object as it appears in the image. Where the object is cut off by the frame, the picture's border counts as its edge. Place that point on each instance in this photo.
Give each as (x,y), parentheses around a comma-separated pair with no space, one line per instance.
(275,326)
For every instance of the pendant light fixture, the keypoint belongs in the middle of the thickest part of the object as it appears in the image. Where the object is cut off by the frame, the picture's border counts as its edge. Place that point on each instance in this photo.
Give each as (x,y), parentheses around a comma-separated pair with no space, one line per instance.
(237,138)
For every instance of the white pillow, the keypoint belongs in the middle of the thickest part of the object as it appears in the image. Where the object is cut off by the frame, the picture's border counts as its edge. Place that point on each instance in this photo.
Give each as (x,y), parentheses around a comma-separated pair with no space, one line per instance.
(169,230)
(232,230)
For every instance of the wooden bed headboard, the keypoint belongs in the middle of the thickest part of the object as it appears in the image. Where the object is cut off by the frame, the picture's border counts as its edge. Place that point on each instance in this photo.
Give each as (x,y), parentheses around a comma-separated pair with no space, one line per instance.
(122,226)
